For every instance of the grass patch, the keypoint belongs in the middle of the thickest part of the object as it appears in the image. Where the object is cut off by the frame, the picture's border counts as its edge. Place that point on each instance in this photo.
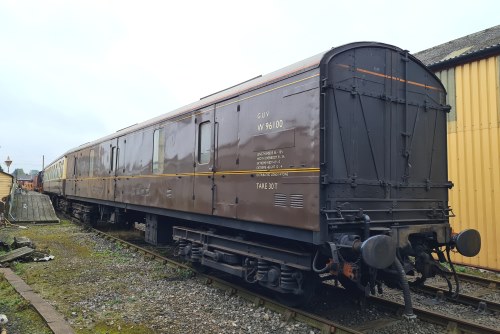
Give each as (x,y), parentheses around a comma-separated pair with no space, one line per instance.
(22,317)
(87,281)
(467,270)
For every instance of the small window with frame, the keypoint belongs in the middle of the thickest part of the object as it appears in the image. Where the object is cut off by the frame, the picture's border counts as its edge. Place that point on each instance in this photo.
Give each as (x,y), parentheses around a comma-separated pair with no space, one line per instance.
(204,143)
(91,163)
(158,151)
(113,157)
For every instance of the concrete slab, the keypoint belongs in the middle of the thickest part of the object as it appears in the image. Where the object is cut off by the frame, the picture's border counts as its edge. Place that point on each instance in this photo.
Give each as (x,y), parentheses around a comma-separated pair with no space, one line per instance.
(32,207)
(16,254)
(54,319)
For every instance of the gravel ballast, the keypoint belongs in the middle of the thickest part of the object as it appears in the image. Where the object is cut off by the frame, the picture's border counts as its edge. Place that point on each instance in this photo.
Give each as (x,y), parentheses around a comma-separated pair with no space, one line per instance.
(102,287)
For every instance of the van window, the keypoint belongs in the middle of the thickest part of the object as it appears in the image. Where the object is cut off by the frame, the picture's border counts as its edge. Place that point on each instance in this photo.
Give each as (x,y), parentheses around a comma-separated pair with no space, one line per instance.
(204,143)
(158,151)
(91,163)
(113,156)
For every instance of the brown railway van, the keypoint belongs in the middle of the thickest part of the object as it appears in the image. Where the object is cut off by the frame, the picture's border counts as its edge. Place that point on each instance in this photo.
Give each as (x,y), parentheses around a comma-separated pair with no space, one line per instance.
(330,165)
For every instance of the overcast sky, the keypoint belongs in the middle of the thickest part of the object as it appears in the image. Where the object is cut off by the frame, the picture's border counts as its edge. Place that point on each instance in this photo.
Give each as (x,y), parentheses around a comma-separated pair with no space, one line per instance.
(74,71)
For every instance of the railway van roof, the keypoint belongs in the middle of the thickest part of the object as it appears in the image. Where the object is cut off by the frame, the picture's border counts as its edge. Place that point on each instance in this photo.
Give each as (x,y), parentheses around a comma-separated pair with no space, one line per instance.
(252,84)
(225,94)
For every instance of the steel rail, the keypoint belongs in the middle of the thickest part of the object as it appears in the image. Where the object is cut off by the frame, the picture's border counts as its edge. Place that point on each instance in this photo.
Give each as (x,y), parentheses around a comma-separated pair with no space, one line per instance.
(326,326)
(452,324)
(443,294)
(486,282)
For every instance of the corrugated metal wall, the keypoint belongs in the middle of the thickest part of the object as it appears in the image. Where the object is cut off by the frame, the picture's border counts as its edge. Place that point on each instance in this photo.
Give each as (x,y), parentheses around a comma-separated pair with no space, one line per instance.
(5,185)
(474,154)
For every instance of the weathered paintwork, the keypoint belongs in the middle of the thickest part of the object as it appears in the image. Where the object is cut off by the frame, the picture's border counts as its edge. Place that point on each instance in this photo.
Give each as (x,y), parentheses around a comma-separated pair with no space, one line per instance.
(263,154)
(385,151)
(358,128)
(333,164)
(54,178)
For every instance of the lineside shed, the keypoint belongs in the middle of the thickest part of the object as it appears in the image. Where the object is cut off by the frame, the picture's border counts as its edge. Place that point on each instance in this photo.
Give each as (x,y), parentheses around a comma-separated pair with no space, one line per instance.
(6,181)
(469,68)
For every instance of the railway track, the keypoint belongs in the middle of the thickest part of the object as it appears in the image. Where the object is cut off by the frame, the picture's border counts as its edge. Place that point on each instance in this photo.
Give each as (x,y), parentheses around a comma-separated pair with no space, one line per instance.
(452,324)
(325,325)
(441,294)
(483,281)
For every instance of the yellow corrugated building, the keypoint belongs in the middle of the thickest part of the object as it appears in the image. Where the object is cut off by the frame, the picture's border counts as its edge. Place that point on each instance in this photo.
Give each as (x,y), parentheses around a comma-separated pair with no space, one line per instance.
(469,67)
(6,181)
